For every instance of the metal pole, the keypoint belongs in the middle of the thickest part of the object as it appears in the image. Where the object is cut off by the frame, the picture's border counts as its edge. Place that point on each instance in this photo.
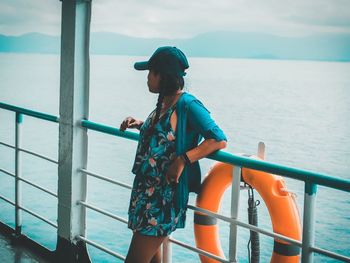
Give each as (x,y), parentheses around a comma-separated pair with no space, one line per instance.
(167,250)
(18,173)
(308,222)
(73,139)
(261,150)
(236,180)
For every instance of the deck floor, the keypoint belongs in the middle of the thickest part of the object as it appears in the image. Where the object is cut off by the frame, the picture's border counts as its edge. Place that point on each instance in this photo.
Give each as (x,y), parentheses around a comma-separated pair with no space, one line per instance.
(15,253)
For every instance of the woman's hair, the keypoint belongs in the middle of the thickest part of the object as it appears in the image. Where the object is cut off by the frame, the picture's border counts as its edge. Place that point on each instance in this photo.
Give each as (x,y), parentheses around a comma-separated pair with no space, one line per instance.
(169,84)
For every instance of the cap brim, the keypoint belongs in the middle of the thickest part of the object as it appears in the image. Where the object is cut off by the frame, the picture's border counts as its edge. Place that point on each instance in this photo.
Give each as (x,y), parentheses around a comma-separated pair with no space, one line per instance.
(141,65)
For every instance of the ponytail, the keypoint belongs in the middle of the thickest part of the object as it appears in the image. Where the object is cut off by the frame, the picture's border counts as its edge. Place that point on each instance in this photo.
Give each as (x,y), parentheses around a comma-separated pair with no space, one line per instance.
(155,119)
(158,110)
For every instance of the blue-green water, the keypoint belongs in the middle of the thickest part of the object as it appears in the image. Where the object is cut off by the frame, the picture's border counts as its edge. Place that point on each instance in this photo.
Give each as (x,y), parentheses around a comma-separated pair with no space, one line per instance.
(299,109)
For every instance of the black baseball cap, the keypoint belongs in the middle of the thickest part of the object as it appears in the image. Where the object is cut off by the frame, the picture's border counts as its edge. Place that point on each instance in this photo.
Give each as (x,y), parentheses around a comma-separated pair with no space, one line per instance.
(166,60)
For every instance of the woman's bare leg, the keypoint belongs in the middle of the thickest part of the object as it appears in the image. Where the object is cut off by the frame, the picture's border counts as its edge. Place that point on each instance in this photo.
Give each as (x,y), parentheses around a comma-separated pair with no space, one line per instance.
(157,258)
(143,248)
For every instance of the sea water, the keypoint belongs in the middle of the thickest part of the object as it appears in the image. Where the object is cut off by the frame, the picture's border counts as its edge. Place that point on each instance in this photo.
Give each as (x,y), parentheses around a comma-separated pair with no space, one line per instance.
(299,109)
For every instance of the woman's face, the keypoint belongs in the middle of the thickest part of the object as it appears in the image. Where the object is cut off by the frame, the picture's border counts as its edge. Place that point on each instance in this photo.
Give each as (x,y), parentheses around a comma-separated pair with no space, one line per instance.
(153,80)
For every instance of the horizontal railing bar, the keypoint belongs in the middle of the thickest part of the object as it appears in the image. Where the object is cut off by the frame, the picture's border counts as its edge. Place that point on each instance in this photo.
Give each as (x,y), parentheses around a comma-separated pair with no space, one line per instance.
(7,145)
(106,179)
(38,216)
(245,225)
(298,174)
(294,173)
(256,164)
(28,112)
(330,254)
(29,211)
(112,253)
(39,155)
(30,183)
(7,200)
(8,173)
(31,152)
(109,130)
(197,250)
(281,237)
(38,186)
(103,212)
(172,240)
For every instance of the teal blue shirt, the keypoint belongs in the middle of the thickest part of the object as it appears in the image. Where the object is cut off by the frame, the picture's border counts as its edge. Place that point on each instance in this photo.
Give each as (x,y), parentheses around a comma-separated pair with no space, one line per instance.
(193,123)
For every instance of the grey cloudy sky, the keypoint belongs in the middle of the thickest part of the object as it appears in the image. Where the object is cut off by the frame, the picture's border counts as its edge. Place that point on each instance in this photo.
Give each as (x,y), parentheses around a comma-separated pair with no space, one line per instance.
(184,18)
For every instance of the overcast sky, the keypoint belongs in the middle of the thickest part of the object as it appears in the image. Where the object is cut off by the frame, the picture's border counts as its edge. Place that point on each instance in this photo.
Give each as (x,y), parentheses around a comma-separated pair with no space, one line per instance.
(184,18)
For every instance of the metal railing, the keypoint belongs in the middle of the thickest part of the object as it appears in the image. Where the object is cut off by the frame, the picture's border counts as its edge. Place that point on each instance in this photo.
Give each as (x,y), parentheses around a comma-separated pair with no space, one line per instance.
(18,165)
(311,179)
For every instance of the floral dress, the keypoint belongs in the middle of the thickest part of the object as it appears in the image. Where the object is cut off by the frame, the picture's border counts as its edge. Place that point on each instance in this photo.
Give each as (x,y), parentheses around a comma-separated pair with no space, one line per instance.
(151,209)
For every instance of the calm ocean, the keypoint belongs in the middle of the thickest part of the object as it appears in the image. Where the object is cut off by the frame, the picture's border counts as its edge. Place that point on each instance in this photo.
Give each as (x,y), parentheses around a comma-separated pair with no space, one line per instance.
(300,109)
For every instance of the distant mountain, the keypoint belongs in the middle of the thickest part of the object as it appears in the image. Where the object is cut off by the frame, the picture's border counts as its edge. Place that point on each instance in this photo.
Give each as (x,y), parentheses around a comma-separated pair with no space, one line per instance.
(257,45)
(30,43)
(331,47)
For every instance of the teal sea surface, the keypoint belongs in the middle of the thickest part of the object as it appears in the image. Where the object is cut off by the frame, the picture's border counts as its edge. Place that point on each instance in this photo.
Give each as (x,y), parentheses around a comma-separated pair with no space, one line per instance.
(299,109)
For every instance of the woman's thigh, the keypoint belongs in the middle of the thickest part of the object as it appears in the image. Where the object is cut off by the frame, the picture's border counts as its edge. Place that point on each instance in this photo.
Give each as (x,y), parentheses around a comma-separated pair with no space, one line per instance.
(143,248)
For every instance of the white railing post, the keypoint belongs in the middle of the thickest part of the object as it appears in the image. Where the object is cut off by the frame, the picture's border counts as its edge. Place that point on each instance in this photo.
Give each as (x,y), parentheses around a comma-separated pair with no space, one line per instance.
(167,250)
(261,150)
(308,222)
(236,180)
(73,141)
(18,174)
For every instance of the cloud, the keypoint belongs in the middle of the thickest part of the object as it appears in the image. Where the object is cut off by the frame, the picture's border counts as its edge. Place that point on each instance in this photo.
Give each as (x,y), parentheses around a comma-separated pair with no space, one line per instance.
(188,18)
(21,16)
(325,13)
(312,16)
(174,19)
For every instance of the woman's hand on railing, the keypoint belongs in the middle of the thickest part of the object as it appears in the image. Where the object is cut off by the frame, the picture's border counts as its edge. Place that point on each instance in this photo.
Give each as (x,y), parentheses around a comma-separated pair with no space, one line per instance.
(130,122)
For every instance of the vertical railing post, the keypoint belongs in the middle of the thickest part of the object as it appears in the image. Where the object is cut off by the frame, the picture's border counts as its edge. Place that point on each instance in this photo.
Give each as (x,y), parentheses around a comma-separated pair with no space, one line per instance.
(73,141)
(309,222)
(236,180)
(261,150)
(18,173)
(167,250)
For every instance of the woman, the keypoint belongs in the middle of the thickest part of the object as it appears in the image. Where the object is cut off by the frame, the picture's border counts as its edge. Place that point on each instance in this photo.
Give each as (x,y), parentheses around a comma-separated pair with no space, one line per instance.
(166,164)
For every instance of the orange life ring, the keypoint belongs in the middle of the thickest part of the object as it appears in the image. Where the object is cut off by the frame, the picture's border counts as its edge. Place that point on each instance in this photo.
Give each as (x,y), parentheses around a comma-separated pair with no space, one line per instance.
(280,203)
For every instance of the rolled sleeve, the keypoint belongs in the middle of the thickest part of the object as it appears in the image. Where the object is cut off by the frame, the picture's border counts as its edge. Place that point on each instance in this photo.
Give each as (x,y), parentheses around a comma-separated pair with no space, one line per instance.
(200,120)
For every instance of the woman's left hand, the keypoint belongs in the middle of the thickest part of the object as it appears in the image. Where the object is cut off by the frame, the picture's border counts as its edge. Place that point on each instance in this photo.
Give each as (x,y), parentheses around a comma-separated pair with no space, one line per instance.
(175,169)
